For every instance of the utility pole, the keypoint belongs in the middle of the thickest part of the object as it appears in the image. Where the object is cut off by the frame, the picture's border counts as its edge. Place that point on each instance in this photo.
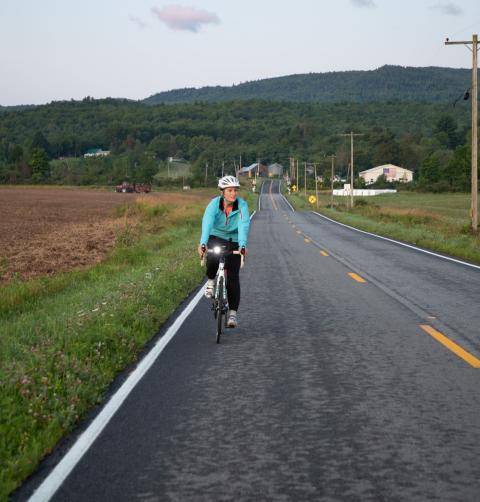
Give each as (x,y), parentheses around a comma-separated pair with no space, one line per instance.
(206,172)
(351,134)
(474,200)
(296,179)
(316,183)
(333,173)
(305,179)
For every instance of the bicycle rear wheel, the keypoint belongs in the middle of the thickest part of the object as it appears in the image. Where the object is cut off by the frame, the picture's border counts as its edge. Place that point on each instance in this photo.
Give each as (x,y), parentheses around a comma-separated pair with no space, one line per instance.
(220,306)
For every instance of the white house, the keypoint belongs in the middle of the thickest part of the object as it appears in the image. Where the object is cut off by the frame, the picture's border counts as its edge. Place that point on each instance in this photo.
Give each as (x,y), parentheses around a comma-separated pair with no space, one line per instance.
(390,171)
(96,152)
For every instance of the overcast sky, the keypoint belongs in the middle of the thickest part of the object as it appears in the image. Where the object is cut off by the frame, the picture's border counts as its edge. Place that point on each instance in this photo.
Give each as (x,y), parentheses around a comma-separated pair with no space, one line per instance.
(63,49)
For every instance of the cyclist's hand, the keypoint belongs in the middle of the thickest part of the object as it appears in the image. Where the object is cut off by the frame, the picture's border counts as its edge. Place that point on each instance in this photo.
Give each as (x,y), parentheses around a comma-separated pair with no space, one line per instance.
(244,251)
(201,250)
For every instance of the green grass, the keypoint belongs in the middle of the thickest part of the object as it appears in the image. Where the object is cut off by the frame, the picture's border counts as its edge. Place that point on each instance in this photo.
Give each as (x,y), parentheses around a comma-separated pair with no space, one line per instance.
(64,339)
(439,222)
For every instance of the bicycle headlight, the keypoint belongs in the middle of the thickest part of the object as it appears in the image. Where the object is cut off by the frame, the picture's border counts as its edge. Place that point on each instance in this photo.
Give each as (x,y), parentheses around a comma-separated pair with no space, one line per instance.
(217,249)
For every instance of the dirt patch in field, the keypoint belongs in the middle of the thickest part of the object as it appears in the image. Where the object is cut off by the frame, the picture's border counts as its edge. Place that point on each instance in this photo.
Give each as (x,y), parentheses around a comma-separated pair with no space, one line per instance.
(48,230)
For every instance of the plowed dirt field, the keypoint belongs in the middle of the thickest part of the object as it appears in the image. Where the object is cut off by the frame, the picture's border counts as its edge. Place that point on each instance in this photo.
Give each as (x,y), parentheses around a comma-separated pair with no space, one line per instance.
(47,230)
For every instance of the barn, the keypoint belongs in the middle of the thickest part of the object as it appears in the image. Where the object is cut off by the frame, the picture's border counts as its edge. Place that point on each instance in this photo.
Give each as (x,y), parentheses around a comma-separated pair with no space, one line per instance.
(390,171)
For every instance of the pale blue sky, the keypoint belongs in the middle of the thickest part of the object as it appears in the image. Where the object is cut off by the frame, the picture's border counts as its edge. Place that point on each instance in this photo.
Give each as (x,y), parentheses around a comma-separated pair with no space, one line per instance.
(63,49)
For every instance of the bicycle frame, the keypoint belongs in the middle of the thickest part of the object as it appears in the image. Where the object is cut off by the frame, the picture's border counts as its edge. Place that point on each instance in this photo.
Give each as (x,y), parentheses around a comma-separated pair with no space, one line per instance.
(221,275)
(219,299)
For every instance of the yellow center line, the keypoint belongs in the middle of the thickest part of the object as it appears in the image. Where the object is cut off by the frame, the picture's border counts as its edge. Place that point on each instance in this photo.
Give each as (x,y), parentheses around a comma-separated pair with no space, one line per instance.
(307,241)
(271,197)
(356,277)
(323,253)
(298,232)
(456,349)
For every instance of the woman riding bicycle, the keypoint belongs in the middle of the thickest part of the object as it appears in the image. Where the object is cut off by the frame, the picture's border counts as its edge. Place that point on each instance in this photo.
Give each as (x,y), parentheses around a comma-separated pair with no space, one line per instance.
(226,223)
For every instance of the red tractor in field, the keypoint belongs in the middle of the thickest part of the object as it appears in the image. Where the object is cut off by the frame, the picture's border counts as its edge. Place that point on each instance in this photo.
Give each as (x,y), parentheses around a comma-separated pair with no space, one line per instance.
(142,188)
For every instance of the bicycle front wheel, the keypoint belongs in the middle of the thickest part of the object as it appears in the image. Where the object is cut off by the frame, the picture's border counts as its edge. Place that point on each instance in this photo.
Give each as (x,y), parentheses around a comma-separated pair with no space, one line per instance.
(220,306)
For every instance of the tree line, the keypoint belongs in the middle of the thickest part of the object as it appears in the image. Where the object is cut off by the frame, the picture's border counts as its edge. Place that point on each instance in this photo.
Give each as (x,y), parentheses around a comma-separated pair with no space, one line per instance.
(46,144)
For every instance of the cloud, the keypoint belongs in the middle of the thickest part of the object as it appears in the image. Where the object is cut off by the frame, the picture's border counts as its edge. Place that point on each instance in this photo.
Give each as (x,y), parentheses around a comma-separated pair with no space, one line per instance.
(364,3)
(450,9)
(140,24)
(178,17)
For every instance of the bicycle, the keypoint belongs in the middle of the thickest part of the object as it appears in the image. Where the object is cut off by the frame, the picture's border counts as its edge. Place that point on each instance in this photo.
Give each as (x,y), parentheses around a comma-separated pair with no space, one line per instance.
(219,298)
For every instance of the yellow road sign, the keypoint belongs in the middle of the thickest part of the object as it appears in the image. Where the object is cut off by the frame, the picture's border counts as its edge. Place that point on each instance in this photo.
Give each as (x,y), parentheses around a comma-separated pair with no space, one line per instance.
(312,199)
(294,188)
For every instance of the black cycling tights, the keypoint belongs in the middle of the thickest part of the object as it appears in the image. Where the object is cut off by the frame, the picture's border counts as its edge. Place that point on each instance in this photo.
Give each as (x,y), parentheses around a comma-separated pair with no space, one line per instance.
(232,265)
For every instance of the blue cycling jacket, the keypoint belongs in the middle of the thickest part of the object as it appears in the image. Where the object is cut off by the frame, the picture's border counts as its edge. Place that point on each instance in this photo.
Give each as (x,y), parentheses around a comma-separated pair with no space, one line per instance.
(234,227)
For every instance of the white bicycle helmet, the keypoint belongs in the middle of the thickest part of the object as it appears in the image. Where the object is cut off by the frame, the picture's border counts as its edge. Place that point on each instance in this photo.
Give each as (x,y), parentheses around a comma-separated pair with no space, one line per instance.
(228,181)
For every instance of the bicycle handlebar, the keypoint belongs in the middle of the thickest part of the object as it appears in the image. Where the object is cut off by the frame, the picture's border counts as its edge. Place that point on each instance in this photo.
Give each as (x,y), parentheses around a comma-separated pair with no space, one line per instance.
(224,252)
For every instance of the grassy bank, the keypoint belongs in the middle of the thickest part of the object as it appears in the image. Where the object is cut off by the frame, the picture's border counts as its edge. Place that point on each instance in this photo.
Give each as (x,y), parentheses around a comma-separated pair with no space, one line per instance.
(439,222)
(63,339)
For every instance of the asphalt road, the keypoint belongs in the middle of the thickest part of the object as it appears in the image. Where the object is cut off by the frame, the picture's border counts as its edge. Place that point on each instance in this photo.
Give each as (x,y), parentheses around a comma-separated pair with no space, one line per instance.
(330,389)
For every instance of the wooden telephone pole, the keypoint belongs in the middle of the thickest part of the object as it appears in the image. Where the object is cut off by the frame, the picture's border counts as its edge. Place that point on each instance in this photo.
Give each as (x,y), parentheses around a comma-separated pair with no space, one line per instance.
(333,174)
(474,199)
(351,134)
(305,179)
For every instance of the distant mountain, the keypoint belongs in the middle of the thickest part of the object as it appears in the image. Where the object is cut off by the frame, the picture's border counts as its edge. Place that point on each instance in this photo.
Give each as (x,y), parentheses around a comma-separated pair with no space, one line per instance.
(388,83)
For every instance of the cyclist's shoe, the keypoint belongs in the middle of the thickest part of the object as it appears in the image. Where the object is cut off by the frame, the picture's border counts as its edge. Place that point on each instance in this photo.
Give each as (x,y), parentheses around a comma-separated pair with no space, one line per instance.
(209,288)
(232,319)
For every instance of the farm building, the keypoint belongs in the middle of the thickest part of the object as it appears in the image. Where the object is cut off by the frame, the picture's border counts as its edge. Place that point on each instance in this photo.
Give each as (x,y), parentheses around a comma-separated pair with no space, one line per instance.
(96,152)
(275,169)
(390,171)
(253,170)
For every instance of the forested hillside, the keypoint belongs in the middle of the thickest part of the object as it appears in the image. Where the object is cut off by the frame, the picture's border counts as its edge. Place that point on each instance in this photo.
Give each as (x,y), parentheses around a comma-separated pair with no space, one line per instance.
(388,83)
(427,138)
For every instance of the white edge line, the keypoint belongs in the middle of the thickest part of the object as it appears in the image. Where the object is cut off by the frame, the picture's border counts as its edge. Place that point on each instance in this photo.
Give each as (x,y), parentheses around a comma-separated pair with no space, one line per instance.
(252,215)
(286,200)
(400,243)
(54,480)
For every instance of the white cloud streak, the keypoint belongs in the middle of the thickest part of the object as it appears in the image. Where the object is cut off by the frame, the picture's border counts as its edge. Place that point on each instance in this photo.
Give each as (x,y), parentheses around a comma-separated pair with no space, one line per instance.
(447,8)
(140,24)
(178,17)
